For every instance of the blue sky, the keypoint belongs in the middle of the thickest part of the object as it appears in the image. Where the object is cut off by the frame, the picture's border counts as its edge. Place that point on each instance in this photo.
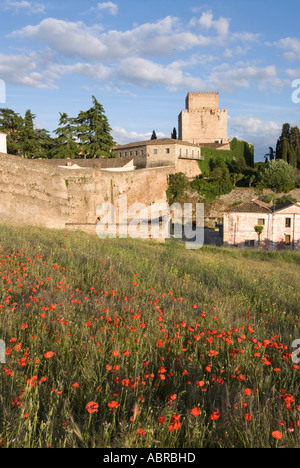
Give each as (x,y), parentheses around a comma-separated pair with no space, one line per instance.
(140,58)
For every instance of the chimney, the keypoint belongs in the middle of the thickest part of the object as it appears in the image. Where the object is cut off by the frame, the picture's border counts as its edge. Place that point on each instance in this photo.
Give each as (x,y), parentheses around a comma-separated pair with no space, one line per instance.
(3,146)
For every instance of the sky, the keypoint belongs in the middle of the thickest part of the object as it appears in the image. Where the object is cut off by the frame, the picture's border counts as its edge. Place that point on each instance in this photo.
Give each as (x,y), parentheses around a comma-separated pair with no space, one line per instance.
(141,58)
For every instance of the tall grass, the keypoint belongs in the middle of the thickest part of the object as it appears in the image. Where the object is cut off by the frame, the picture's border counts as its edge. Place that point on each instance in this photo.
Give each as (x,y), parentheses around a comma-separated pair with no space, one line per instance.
(145,332)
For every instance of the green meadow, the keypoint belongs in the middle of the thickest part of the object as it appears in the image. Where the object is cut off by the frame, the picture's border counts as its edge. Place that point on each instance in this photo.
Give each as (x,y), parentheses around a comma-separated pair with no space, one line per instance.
(129,343)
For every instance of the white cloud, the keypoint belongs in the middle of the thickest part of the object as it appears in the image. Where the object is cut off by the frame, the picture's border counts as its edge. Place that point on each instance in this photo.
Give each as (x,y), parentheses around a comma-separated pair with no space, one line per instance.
(146,73)
(23,6)
(23,70)
(292,46)
(261,134)
(111,7)
(293,73)
(122,136)
(69,38)
(73,39)
(227,78)
(206,21)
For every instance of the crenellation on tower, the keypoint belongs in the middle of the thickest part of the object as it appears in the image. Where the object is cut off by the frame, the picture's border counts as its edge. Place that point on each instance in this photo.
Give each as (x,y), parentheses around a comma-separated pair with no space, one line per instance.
(202,120)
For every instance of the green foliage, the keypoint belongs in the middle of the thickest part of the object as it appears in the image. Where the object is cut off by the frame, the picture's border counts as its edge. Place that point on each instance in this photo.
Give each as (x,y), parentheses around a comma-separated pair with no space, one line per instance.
(277,175)
(177,186)
(84,298)
(210,155)
(271,198)
(219,181)
(93,132)
(65,145)
(87,135)
(153,136)
(174,134)
(243,151)
(288,145)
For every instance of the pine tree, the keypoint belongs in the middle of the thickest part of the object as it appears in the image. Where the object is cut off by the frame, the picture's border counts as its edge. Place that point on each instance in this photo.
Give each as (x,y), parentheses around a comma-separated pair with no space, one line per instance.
(153,136)
(93,132)
(65,145)
(28,136)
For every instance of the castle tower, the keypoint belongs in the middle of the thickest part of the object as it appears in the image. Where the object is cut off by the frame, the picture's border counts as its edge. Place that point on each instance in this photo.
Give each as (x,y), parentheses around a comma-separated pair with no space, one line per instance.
(3,147)
(202,121)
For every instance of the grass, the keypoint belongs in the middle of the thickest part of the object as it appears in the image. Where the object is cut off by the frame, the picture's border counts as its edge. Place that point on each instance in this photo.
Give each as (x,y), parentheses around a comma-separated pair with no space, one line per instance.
(145,333)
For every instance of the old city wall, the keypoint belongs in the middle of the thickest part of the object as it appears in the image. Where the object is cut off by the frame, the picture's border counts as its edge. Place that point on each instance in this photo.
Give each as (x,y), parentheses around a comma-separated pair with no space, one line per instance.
(41,194)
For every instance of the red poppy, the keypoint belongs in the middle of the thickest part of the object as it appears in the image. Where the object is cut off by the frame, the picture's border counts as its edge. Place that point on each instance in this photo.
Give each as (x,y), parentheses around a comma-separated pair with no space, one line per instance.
(214,416)
(161,419)
(92,407)
(277,435)
(49,355)
(113,404)
(195,411)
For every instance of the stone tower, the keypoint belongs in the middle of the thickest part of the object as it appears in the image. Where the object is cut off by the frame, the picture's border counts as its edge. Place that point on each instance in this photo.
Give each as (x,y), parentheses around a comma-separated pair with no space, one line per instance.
(202,121)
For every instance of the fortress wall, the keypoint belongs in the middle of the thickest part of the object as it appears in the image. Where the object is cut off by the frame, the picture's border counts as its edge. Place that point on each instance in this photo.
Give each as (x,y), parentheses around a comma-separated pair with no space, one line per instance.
(190,168)
(34,193)
(143,186)
(94,163)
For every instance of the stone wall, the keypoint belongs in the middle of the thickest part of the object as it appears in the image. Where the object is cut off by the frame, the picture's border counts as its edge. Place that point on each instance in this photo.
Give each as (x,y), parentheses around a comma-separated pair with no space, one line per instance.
(34,192)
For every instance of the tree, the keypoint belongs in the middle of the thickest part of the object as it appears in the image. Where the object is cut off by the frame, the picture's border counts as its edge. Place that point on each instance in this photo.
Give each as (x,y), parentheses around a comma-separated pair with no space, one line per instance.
(153,136)
(11,123)
(277,175)
(66,145)
(31,144)
(93,132)
(174,134)
(270,156)
(258,230)
(177,186)
(288,145)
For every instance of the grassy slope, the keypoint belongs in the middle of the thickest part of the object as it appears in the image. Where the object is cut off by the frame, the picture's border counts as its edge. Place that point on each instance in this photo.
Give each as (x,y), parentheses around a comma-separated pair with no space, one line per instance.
(233,289)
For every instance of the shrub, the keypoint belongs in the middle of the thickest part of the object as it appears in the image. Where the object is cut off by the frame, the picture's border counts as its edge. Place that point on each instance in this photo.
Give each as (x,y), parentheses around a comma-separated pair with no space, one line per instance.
(178,185)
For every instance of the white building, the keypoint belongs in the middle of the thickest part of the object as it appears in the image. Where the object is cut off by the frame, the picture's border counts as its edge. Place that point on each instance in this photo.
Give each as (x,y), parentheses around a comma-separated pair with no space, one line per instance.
(3,146)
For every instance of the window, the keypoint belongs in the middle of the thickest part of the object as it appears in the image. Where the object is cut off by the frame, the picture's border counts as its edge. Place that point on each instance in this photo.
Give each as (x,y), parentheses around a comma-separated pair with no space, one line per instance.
(249,243)
(130,153)
(288,222)
(187,152)
(155,151)
(261,222)
(287,239)
(167,150)
(136,153)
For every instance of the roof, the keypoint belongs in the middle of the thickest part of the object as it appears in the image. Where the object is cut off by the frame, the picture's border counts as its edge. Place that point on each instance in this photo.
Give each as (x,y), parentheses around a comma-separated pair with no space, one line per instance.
(285,205)
(157,142)
(257,206)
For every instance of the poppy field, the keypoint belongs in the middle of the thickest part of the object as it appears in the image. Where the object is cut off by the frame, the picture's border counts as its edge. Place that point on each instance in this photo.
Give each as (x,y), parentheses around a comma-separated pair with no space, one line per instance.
(135,344)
